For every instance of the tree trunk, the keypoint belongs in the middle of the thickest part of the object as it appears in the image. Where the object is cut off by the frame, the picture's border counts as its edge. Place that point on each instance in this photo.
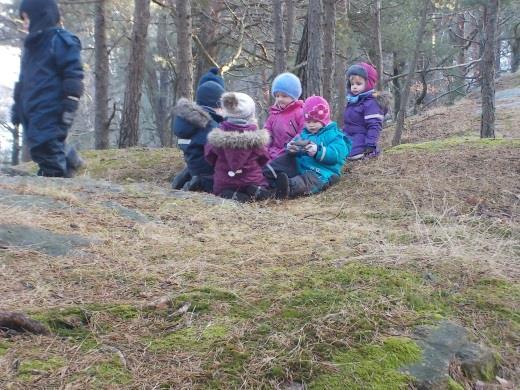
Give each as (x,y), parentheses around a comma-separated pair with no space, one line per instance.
(15,152)
(129,131)
(398,65)
(411,72)
(101,71)
(314,58)
(515,54)
(26,154)
(185,55)
(488,67)
(279,44)
(341,90)
(301,57)
(289,26)
(329,49)
(378,44)
(208,37)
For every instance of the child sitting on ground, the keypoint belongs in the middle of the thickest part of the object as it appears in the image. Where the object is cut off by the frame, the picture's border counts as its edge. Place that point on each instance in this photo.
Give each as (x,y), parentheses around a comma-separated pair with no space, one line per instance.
(313,160)
(365,111)
(285,118)
(237,150)
(192,123)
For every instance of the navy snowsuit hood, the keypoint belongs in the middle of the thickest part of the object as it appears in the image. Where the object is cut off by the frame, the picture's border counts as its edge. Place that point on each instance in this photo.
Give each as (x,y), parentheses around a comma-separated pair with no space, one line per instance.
(43,14)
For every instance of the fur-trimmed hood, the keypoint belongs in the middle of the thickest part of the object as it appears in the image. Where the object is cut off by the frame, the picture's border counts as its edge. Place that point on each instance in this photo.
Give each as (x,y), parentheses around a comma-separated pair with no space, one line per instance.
(235,139)
(191,112)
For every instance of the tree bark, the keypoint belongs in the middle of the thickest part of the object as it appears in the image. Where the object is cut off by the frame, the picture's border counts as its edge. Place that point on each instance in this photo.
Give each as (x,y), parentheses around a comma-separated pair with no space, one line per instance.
(515,48)
(15,152)
(279,44)
(101,70)
(488,67)
(378,43)
(208,38)
(314,39)
(301,57)
(329,48)
(409,78)
(397,68)
(129,131)
(184,36)
(289,26)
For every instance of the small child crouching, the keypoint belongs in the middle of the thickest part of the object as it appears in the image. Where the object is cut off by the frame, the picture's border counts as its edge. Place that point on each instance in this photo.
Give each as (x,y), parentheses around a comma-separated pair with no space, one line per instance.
(237,149)
(314,159)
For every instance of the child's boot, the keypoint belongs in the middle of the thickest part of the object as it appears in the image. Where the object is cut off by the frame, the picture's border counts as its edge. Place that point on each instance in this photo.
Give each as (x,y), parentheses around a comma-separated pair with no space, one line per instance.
(235,195)
(74,160)
(282,186)
(260,193)
(181,178)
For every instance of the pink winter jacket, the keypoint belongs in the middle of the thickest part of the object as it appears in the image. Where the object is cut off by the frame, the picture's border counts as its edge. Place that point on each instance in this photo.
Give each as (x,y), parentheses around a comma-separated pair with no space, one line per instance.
(284,124)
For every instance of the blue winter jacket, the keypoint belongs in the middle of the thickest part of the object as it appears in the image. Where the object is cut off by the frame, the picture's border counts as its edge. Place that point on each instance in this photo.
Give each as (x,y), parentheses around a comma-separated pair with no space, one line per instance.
(191,126)
(333,149)
(51,74)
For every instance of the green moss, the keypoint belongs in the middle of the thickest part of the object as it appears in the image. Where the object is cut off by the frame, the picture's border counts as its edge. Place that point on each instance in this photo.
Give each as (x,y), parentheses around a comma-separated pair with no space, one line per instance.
(190,339)
(30,368)
(371,367)
(110,372)
(4,347)
(436,145)
(452,385)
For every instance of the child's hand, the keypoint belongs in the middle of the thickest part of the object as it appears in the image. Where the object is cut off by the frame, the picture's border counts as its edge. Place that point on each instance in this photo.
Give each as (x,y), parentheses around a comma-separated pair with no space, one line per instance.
(311,149)
(292,147)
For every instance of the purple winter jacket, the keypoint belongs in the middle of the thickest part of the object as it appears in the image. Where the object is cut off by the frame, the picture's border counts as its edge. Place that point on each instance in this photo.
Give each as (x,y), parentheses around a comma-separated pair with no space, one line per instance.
(238,153)
(364,121)
(284,124)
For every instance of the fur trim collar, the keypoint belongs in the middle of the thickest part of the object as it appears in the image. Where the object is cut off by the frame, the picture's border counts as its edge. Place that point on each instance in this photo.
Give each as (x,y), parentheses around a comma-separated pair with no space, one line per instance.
(239,139)
(384,99)
(191,112)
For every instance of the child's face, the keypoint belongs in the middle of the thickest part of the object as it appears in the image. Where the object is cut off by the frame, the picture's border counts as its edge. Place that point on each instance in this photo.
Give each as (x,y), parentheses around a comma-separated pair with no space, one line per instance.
(26,21)
(357,84)
(313,126)
(282,99)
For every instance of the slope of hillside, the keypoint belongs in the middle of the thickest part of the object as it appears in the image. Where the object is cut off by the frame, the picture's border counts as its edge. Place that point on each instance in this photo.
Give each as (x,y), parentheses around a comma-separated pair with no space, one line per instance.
(143,287)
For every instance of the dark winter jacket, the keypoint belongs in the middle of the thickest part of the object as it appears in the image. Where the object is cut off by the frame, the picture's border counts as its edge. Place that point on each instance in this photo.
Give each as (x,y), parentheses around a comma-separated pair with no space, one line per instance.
(50,83)
(191,126)
(238,154)
(364,121)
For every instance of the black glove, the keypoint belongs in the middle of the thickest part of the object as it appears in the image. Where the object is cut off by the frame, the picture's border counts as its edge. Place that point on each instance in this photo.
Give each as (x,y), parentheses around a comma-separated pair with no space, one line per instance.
(15,118)
(70,106)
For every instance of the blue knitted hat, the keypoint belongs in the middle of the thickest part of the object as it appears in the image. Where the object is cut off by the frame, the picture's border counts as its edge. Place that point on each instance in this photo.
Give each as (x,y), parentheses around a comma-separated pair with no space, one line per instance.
(43,14)
(287,83)
(209,93)
(212,75)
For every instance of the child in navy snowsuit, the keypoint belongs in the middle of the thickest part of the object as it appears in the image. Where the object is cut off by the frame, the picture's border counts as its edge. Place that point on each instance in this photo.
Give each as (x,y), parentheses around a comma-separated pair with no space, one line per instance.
(191,125)
(365,111)
(49,88)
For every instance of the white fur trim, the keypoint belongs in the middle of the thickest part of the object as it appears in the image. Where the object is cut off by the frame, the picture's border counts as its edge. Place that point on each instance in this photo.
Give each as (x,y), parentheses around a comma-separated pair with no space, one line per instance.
(239,140)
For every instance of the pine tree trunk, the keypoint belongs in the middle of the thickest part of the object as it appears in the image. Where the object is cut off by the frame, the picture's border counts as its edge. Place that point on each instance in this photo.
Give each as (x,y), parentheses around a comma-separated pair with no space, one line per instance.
(279,44)
(208,37)
(515,54)
(378,43)
(314,58)
(411,72)
(161,110)
(101,78)
(15,151)
(398,65)
(185,56)
(301,57)
(129,131)
(289,26)
(488,68)
(329,48)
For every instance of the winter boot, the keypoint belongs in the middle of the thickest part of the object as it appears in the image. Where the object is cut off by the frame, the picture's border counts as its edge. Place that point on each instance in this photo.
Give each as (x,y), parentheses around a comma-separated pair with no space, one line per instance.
(282,186)
(260,193)
(235,195)
(195,184)
(181,178)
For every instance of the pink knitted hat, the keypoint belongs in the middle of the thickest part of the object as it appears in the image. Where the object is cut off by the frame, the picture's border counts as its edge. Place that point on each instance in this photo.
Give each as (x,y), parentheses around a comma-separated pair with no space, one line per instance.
(317,109)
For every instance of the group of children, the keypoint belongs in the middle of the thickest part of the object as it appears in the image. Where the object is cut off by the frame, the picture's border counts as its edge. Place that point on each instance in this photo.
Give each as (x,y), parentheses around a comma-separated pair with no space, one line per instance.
(299,151)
